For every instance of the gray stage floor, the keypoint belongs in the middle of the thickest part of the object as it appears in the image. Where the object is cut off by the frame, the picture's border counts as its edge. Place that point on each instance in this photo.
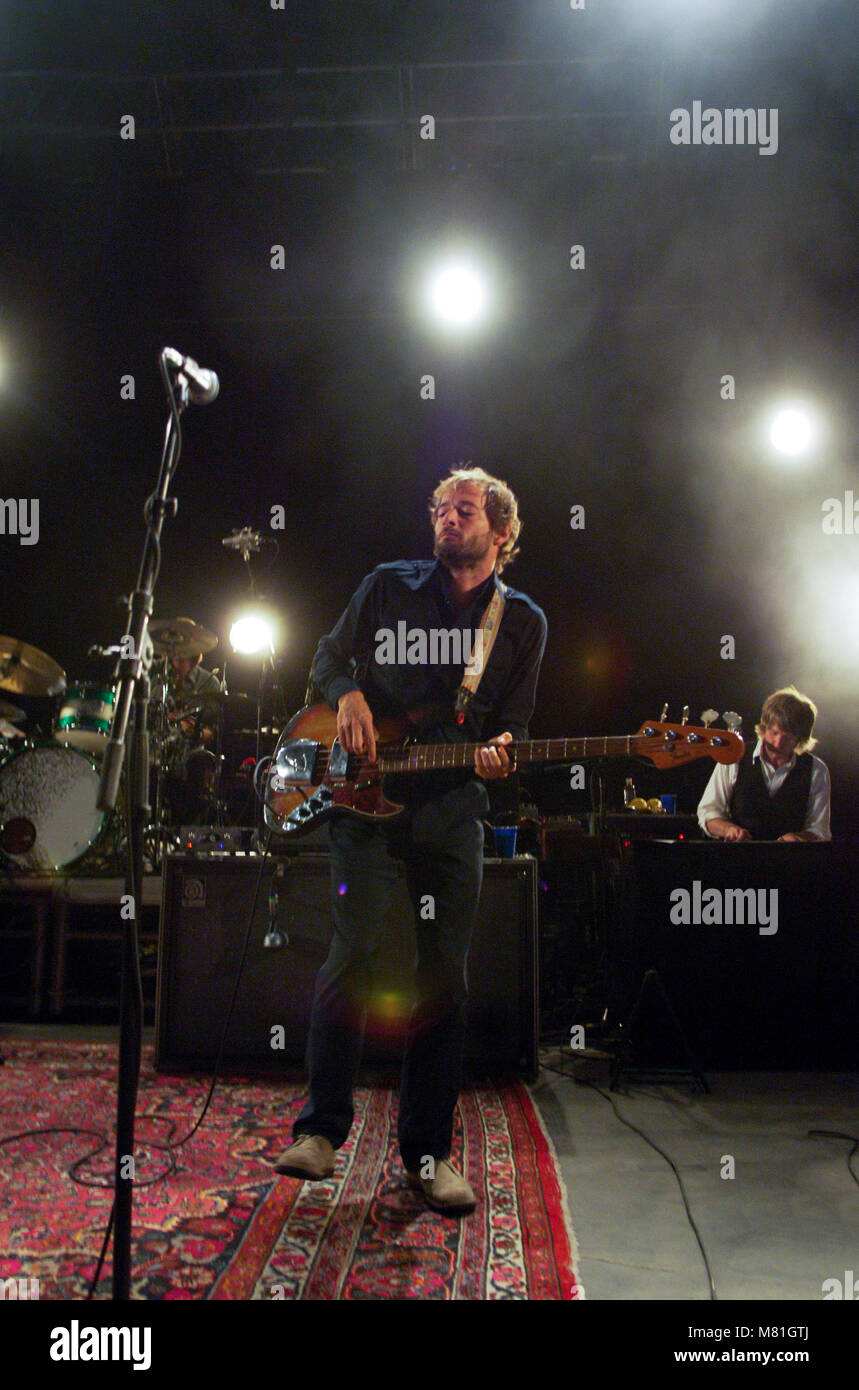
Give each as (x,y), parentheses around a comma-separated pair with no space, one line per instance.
(784,1224)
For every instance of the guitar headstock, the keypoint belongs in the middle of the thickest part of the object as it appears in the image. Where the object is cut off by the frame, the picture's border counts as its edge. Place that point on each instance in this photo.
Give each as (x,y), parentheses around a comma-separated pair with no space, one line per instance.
(670,745)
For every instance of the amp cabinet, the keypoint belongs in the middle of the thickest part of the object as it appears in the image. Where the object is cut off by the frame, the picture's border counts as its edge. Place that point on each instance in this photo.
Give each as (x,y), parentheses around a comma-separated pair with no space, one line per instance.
(205,907)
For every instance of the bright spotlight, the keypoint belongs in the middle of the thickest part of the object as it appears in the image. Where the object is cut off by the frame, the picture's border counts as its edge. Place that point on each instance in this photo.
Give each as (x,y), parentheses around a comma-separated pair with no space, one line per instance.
(792,431)
(251,635)
(458,294)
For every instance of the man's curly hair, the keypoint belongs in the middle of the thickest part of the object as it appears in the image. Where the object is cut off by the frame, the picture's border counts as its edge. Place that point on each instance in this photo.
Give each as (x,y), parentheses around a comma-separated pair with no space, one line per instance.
(502,508)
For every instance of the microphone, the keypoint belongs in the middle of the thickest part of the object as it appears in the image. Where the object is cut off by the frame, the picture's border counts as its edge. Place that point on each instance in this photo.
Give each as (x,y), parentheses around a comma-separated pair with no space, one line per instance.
(203,385)
(246,540)
(274,939)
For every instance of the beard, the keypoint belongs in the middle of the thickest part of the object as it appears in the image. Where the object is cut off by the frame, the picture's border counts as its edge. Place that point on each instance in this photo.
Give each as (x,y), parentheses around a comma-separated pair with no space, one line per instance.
(457,554)
(776,757)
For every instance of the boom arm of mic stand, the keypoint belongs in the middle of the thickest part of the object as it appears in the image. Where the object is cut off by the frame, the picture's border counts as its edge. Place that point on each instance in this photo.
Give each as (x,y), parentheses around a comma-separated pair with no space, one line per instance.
(137,640)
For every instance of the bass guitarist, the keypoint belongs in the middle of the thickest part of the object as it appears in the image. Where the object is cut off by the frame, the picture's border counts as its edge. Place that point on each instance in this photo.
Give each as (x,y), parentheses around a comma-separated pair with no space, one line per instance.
(364,673)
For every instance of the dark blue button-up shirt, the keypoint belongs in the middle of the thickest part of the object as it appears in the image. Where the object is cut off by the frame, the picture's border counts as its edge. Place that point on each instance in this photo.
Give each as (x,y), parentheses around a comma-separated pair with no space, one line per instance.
(356,655)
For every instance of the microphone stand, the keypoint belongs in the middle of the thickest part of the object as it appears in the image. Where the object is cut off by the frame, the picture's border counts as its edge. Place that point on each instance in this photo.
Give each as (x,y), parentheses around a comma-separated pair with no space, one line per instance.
(220,818)
(134,684)
(260,699)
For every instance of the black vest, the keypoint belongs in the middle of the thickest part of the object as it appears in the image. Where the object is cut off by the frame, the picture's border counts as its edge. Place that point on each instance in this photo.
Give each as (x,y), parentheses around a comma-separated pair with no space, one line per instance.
(767,817)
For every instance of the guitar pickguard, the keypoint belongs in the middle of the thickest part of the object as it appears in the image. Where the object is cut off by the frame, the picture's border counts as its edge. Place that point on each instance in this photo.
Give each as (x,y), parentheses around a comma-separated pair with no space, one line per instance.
(300,795)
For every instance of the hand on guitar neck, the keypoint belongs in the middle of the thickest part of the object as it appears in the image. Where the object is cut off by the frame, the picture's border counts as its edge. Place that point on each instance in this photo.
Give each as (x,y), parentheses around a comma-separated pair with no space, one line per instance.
(357,735)
(491,761)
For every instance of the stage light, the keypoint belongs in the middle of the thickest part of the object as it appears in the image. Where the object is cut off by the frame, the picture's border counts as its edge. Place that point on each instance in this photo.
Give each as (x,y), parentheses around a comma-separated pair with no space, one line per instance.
(250,635)
(458,294)
(793,431)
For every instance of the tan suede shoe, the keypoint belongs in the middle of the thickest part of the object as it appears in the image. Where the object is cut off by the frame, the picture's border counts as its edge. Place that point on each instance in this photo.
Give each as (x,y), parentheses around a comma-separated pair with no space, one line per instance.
(311,1157)
(447,1191)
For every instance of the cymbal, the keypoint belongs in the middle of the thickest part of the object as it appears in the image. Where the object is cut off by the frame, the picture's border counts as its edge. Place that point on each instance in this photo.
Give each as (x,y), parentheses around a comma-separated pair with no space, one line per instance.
(27,671)
(181,637)
(11,712)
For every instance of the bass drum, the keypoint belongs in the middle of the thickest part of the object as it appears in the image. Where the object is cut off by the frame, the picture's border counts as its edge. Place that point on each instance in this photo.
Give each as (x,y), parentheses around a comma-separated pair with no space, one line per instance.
(48,815)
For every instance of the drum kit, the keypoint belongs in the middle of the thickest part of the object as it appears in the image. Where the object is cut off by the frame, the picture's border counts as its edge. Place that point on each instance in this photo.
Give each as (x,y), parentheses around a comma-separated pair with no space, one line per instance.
(49,782)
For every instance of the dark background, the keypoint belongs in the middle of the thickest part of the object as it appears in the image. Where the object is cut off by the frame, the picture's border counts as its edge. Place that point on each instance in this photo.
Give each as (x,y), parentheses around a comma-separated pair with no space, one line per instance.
(599,387)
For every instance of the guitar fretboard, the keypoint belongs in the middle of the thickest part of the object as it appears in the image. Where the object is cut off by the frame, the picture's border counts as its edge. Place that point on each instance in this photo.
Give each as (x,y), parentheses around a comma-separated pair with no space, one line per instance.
(431,756)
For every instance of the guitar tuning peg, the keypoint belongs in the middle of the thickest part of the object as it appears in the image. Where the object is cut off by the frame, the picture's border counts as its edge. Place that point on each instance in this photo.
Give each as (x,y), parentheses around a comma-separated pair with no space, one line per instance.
(733,721)
(685,716)
(708,716)
(664,715)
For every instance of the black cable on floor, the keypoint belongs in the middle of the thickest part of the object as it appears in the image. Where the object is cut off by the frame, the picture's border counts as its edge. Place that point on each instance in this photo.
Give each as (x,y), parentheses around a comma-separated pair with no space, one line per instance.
(169,1144)
(97,1134)
(836,1134)
(672,1165)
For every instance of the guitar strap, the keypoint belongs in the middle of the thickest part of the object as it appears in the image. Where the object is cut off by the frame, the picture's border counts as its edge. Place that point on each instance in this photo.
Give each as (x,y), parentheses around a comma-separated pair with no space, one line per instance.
(474,674)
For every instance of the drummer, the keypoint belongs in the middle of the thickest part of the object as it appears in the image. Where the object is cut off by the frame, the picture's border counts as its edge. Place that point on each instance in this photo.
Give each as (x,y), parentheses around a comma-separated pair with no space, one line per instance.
(188,680)
(191,767)
(187,683)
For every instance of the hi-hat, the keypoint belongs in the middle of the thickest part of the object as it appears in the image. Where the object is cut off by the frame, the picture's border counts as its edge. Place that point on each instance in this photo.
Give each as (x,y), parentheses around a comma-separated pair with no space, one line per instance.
(181,637)
(27,671)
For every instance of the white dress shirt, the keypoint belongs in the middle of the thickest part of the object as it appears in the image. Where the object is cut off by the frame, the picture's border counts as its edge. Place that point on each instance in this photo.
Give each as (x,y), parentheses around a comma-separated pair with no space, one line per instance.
(716,801)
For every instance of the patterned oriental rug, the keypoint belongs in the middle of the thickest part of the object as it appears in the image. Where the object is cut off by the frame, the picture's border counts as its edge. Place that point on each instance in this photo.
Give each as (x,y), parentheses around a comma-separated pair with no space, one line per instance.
(222,1225)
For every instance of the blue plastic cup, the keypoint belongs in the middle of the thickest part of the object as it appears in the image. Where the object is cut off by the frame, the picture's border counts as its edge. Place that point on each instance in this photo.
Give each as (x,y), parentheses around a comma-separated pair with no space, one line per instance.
(670,804)
(505,841)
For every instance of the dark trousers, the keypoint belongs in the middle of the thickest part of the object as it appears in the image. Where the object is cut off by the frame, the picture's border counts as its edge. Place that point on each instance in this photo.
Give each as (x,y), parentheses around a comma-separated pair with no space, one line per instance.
(441,844)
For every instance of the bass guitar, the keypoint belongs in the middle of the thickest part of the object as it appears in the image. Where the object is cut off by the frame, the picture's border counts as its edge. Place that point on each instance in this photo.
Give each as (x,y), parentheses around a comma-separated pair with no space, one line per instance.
(311,776)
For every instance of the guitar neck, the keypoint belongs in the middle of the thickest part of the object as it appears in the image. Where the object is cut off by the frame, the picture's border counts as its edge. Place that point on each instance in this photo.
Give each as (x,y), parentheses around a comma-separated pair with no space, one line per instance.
(429,757)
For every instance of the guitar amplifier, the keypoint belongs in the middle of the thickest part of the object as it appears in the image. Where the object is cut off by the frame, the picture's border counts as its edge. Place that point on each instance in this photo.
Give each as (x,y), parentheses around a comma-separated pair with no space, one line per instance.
(205,908)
